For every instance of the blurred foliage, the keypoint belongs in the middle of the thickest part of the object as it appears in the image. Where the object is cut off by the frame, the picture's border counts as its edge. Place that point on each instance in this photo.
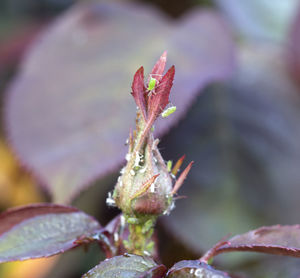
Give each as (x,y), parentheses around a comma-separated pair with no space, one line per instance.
(18,188)
(86,105)
(243,135)
(260,20)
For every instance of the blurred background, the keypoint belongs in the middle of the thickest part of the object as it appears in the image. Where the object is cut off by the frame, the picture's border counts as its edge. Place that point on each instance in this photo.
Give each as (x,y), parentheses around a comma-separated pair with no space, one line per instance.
(66,68)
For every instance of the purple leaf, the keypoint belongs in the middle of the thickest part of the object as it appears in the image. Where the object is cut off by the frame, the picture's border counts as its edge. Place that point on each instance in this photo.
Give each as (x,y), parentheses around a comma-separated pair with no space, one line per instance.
(280,240)
(129,266)
(192,269)
(69,110)
(42,230)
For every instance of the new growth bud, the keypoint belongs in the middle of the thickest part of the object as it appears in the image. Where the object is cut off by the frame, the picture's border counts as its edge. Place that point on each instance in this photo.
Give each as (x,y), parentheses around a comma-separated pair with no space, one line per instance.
(145,188)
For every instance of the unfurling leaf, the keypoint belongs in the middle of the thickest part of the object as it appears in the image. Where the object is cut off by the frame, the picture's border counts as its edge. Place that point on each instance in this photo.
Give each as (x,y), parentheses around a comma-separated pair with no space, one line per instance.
(129,266)
(42,230)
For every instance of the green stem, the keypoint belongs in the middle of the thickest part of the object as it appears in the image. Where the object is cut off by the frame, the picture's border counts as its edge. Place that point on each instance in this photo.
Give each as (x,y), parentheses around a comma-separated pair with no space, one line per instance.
(140,233)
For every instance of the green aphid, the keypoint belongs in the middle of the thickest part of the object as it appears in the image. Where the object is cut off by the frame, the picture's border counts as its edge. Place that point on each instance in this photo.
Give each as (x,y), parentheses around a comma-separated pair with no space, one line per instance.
(168,111)
(151,84)
(169,165)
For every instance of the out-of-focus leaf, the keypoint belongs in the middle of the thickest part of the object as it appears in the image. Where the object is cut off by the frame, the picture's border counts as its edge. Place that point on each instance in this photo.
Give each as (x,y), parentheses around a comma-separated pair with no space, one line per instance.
(16,186)
(260,19)
(191,269)
(280,240)
(127,266)
(244,138)
(42,230)
(69,110)
(293,49)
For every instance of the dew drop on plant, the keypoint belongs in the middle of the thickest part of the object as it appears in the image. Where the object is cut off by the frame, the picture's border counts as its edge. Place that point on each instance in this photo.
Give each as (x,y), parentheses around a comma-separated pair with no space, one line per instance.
(110,200)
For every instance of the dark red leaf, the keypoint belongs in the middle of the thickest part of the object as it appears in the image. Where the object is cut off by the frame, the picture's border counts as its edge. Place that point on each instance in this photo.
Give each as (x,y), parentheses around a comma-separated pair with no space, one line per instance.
(42,230)
(280,240)
(192,269)
(15,216)
(138,91)
(159,99)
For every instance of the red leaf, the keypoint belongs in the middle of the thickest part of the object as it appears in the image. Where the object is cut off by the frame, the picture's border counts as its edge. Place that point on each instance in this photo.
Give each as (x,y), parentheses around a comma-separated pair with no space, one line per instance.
(280,240)
(160,98)
(17,215)
(42,230)
(159,67)
(138,91)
